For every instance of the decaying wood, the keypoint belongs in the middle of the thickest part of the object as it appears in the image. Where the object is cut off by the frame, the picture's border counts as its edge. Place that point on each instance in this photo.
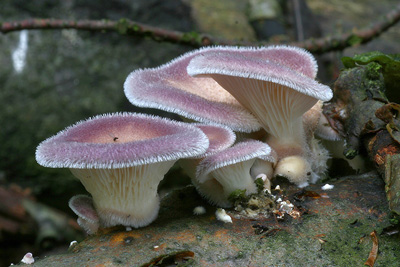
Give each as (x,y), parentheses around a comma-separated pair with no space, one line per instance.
(364,117)
(325,234)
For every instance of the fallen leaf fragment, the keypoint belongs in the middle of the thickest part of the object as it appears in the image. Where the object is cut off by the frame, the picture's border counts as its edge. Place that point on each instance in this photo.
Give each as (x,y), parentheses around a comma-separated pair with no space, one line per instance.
(374,251)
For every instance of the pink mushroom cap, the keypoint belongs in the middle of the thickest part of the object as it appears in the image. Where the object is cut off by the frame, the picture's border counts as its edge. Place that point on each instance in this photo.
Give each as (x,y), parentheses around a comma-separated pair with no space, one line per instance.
(220,137)
(240,152)
(170,88)
(282,71)
(121,140)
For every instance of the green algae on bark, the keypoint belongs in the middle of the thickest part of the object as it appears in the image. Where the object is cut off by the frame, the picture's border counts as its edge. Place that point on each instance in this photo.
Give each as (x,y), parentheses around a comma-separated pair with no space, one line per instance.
(389,66)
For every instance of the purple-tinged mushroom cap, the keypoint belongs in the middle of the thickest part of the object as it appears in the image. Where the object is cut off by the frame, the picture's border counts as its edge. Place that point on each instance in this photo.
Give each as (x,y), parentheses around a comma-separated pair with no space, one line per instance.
(120,159)
(120,140)
(88,219)
(220,138)
(170,88)
(275,93)
(275,90)
(222,173)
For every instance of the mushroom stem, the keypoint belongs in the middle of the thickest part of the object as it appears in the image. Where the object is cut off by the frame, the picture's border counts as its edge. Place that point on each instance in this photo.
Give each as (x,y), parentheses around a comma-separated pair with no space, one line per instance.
(235,176)
(291,140)
(278,107)
(126,196)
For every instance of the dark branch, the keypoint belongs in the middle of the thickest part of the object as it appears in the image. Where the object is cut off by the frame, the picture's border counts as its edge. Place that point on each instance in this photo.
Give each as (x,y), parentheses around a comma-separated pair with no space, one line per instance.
(124,26)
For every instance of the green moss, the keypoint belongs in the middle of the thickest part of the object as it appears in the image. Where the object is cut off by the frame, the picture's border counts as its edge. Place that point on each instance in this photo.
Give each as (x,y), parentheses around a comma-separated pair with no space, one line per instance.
(135,28)
(191,37)
(350,153)
(260,184)
(237,195)
(374,71)
(354,40)
(122,26)
(389,67)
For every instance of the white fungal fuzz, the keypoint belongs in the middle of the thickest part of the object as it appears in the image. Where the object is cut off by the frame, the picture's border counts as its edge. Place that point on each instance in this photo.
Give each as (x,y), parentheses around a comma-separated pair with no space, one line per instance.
(28,258)
(222,216)
(318,159)
(295,168)
(199,210)
(128,229)
(73,243)
(327,187)
(325,131)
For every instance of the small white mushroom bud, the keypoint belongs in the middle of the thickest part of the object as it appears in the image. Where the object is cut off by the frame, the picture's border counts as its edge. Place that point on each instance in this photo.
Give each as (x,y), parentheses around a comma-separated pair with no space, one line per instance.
(28,258)
(222,216)
(327,187)
(199,210)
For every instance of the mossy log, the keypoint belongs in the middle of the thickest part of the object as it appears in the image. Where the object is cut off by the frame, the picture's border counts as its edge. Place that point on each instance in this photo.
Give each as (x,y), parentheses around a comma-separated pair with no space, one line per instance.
(333,230)
(362,114)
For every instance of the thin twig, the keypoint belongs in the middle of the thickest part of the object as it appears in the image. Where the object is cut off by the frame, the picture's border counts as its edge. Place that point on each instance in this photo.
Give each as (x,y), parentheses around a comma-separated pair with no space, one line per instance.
(299,22)
(124,26)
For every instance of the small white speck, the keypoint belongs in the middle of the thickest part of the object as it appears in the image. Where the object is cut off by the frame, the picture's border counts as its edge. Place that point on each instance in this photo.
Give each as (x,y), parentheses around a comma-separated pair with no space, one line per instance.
(302,185)
(73,243)
(327,187)
(279,200)
(278,187)
(222,216)
(199,210)
(266,190)
(343,113)
(128,229)
(286,206)
(155,247)
(28,258)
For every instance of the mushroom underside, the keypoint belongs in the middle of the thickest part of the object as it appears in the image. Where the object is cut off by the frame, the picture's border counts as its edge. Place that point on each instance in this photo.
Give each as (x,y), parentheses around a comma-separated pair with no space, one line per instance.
(125,196)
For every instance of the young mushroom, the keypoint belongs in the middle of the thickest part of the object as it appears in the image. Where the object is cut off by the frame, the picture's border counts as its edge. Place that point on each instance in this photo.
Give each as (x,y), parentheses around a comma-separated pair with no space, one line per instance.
(88,219)
(277,91)
(120,159)
(228,170)
(220,138)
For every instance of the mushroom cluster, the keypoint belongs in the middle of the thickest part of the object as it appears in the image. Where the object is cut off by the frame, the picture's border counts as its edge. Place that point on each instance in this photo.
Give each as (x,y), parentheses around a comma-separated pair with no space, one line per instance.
(246,89)
(256,110)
